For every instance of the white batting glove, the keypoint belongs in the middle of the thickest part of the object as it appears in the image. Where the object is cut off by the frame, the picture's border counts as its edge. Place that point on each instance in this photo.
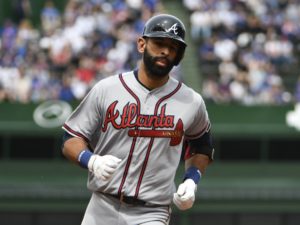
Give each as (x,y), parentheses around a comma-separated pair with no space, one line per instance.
(103,166)
(185,196)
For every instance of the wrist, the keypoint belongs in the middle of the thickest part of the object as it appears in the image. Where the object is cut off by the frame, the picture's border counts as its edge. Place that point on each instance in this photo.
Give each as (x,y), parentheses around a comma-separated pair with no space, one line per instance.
(84,158)
(193,173)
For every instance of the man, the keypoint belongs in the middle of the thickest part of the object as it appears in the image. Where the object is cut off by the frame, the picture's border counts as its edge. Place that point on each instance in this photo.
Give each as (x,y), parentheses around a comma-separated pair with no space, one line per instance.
(129,133)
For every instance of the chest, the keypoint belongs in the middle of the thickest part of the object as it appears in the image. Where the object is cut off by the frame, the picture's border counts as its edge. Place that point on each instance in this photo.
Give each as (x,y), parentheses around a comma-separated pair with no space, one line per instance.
(146,111)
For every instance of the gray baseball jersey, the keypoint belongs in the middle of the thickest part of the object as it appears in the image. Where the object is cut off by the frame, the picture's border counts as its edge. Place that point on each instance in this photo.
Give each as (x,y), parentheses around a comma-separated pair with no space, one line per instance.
(145,128)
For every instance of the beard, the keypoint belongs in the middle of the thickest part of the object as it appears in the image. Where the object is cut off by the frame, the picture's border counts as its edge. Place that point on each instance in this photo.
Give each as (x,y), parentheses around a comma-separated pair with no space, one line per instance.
(154,69)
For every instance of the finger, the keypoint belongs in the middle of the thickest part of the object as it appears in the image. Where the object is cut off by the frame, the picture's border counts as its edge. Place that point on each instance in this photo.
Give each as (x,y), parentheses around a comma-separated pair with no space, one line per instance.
(106,175)
(111,164)
(112,161)
(113,158)
(175,196)
(186,197)
(104,178)
(100,176)
(189,194)
(181,189)
(109,169)
(176,200)
(117,160)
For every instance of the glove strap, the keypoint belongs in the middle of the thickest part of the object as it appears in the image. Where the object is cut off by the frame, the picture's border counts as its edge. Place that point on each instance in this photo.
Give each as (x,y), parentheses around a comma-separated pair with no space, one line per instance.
(193,173)
(84,158)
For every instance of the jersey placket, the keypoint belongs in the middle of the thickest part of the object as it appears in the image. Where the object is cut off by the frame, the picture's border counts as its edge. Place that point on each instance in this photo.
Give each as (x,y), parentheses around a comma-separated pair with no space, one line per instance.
(141,147)
(156,106)
(151,108)
(148,105)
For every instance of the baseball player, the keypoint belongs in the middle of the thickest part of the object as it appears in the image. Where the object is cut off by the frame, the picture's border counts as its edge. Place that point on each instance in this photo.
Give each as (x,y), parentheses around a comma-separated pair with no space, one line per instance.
(129,132)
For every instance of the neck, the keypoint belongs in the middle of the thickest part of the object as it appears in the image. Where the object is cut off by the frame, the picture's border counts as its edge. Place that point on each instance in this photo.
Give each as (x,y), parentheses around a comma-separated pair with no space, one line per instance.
(150,81)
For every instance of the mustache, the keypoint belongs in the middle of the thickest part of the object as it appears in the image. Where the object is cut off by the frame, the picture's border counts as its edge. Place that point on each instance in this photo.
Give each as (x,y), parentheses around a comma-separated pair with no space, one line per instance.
(163,58)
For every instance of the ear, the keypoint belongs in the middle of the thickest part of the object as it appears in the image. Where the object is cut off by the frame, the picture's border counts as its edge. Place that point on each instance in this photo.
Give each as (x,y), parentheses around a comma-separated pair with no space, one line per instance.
(141,45)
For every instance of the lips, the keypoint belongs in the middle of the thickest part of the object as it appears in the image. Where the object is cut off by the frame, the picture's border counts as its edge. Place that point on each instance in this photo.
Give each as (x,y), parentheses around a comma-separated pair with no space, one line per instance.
(162,61)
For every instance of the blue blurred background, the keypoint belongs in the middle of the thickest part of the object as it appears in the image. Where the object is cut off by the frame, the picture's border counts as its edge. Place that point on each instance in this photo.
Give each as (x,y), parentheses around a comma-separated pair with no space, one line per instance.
(242,56)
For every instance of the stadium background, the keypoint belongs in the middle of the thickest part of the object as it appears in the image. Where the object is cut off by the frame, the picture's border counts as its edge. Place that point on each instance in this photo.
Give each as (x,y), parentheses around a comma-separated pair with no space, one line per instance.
(255,176)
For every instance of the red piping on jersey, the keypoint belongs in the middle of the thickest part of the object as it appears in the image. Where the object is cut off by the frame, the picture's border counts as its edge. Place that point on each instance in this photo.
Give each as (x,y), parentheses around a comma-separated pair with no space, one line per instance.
(152,140)
(69,129)
(134,139)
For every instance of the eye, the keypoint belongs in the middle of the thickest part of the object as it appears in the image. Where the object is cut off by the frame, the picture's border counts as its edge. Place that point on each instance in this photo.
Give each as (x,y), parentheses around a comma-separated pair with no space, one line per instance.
(158,41)
(161,42)
(174,46)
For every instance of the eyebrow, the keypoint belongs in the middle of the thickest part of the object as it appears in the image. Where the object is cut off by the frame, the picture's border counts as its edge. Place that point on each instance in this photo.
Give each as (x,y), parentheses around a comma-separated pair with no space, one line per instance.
(173,42)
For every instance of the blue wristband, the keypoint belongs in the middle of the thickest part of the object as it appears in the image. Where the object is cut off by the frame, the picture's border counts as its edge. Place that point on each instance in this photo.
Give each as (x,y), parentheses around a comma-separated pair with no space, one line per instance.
(84,158)
(193,173)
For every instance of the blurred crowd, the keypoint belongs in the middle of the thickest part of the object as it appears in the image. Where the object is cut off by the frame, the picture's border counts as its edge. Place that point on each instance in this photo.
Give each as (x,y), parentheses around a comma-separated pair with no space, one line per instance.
(248,51)
(71,49)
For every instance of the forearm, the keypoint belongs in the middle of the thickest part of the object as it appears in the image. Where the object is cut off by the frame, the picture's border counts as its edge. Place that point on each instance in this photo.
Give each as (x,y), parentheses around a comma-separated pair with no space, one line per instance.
(73,147)
(199,161)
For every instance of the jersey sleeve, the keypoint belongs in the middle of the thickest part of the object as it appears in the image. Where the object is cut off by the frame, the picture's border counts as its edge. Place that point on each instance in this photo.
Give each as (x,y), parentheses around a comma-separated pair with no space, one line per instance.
(86,118)
(201,122)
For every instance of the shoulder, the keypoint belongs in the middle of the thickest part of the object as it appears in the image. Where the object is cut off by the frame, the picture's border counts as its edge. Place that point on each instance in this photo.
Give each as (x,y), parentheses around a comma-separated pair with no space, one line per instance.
(190,94)
(112,81)
(108,81)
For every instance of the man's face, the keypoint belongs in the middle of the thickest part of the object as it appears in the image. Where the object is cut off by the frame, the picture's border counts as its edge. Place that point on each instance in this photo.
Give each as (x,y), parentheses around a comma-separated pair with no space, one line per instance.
(159,56)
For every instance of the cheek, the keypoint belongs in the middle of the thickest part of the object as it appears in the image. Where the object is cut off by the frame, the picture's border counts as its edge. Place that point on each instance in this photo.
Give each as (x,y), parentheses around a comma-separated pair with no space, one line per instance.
(173,55)
(174,52)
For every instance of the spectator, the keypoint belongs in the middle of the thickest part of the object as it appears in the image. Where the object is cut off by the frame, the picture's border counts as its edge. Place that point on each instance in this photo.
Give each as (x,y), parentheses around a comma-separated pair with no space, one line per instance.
(88,39)
(66,92)
(23,83)
(244,39)
(9,34)
(50,17)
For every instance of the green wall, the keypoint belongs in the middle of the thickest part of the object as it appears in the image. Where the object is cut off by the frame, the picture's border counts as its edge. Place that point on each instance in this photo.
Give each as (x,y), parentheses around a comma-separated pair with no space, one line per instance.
(226,119)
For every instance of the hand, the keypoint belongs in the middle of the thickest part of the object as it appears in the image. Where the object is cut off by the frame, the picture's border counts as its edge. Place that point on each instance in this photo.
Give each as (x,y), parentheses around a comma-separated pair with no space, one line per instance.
(103,166)
(185,196)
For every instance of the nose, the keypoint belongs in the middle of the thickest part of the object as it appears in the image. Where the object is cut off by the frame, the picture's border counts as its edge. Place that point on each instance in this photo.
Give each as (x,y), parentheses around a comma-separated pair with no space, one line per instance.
(165,50)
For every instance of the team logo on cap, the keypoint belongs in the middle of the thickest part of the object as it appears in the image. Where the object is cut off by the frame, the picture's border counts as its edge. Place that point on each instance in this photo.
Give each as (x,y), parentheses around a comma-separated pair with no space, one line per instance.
(173,28)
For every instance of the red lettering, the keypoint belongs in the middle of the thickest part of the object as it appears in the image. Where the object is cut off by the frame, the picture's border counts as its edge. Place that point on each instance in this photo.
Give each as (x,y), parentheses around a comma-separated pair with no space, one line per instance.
(131,118)
(132,114)
(111,116)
